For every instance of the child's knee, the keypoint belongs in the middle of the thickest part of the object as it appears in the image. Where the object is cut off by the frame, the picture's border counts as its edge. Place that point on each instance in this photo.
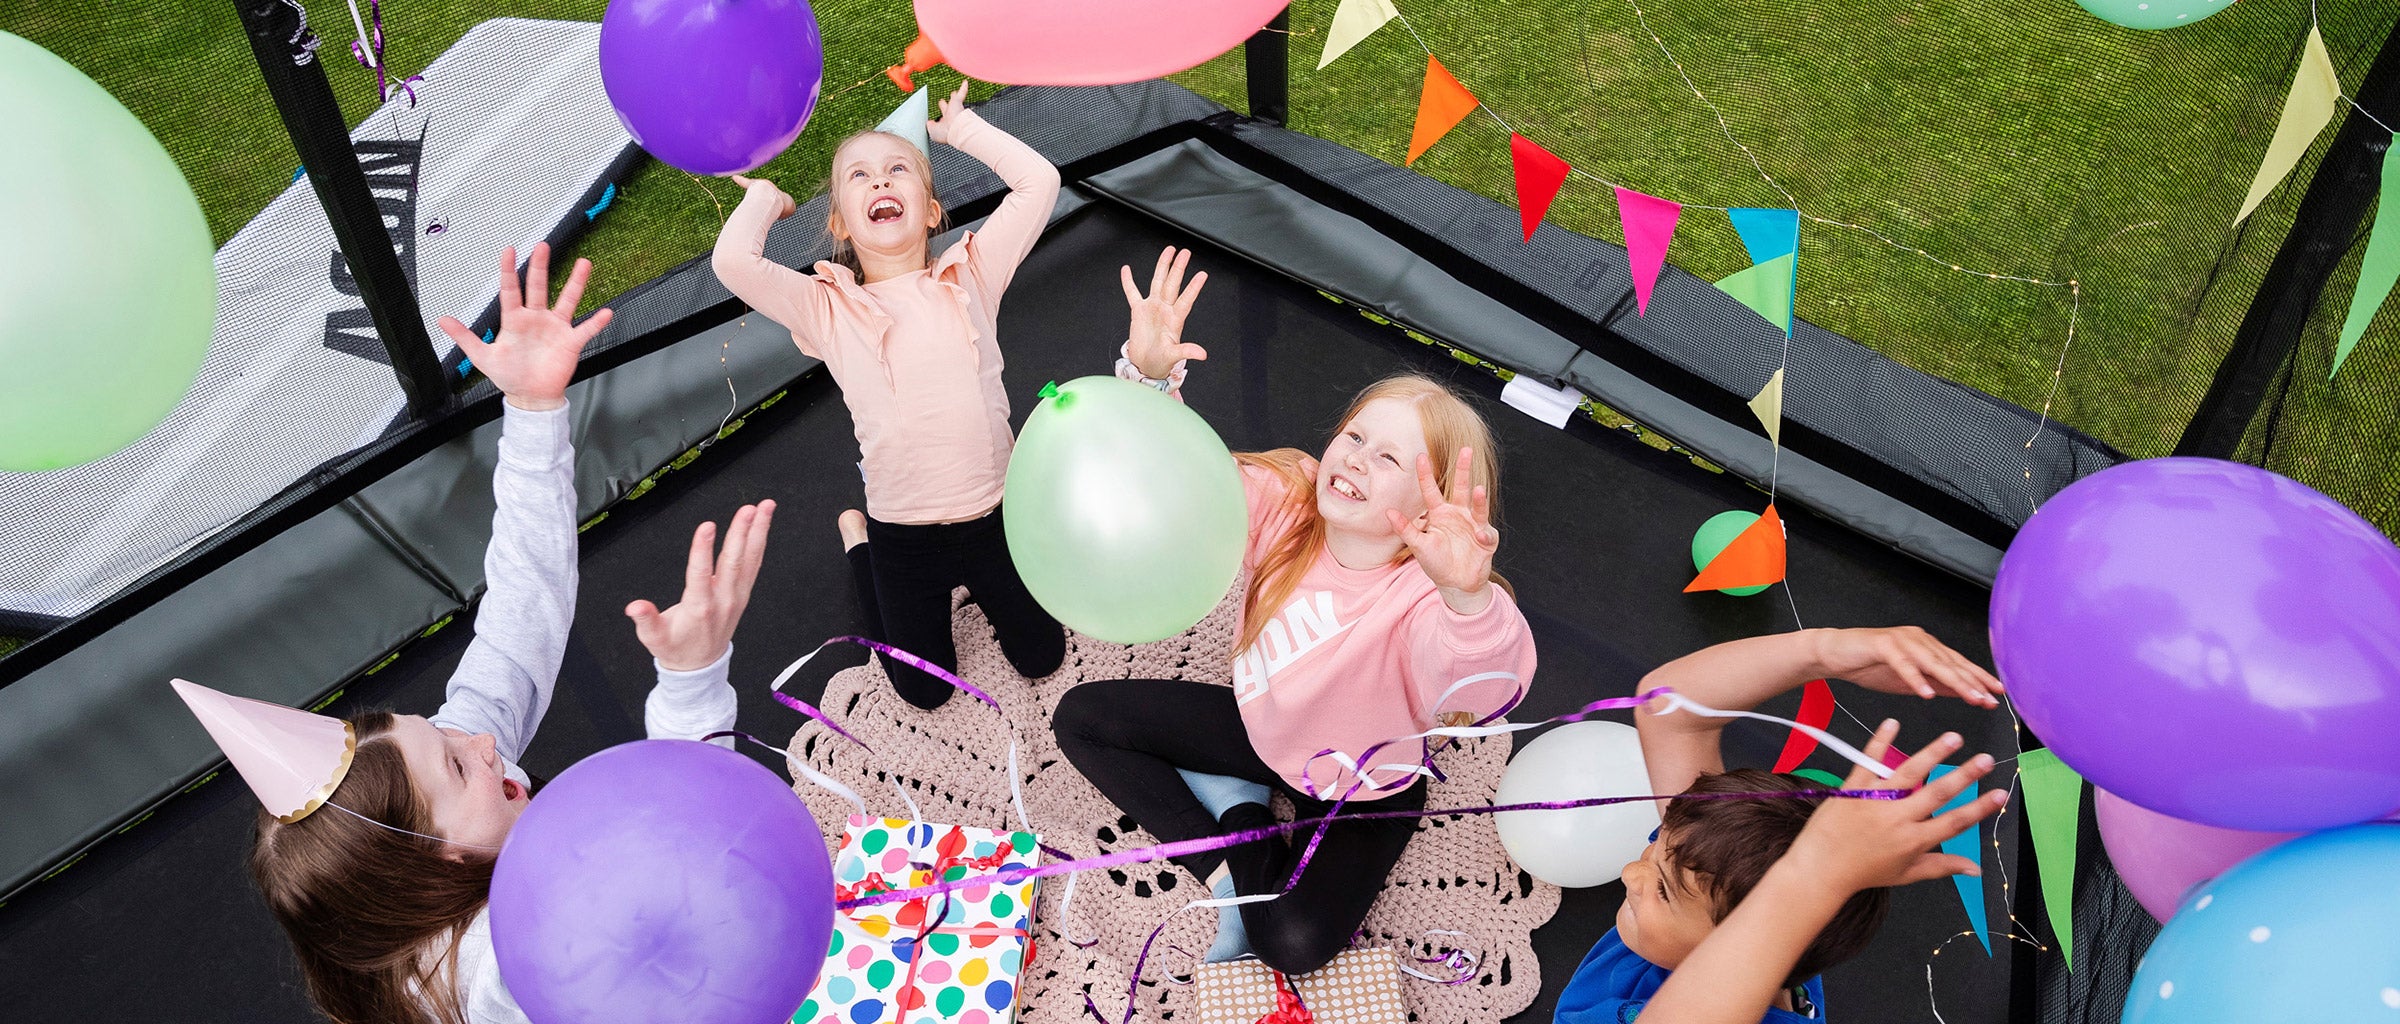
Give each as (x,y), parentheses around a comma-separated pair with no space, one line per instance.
(1295,944)
(920,690)
(1038,655)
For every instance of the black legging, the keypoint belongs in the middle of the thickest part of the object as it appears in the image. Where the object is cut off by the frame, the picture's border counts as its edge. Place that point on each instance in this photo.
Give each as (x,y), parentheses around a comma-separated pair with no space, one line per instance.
(904,587)
(1128,737)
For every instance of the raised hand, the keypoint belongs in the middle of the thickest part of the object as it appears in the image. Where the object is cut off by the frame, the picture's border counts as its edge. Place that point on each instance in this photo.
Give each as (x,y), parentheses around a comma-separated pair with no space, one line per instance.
(1454,540)
(533,357)
(716,588)
(784,206)
(1905,659)
(939,130)
(1852,844)
(1154,341)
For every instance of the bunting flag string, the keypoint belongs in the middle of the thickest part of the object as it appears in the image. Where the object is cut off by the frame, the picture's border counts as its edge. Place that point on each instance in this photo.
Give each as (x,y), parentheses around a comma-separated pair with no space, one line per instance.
(1767,289)
(2306,111)
(2381,268)
(2053,806)
(1755,558)
(1649,226)
(1766,232)
(1767,405)
(1440,107)
(1539,176)
(1964,844)
(1352,21)
(1816,711)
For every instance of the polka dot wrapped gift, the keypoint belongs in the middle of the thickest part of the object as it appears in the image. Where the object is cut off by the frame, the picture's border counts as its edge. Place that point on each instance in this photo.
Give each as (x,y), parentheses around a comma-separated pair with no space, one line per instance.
(1361,986)
(951,959)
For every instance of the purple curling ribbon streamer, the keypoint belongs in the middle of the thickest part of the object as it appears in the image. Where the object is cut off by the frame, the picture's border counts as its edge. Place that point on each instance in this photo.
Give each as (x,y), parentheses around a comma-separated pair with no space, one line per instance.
(369,54)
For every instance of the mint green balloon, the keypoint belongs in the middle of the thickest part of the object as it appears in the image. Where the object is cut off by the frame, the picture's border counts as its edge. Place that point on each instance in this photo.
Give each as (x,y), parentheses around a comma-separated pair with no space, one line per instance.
(1124,511)
(108,283)
(2153,14)
(1718,531)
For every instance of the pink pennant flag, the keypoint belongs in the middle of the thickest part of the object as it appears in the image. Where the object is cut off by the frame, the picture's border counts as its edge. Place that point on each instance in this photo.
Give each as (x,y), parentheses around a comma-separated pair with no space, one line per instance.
(1649,226)
(1539,174)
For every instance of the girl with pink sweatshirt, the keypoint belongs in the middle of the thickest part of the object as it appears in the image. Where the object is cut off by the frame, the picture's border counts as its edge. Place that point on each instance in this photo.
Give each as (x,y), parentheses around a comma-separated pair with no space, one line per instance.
(914,343)
(1371,612)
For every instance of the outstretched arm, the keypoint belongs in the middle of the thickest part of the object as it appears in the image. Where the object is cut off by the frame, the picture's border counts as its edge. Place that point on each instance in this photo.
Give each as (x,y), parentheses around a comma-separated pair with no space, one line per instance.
(1009,233)
(503,684)
(692,642)
(1849,845)
(1741,674)
(1154,346)
(778,292)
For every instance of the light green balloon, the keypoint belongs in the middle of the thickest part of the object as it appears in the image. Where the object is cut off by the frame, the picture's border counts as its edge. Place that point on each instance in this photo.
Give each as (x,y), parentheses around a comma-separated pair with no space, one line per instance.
(2153,14)
(1124,512)
(1718,531)
(108,282)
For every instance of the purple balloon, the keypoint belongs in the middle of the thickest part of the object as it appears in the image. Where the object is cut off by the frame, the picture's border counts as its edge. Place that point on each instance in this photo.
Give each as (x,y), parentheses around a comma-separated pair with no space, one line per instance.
(712,86)
(2210,641)
(2161,858)
(662,880)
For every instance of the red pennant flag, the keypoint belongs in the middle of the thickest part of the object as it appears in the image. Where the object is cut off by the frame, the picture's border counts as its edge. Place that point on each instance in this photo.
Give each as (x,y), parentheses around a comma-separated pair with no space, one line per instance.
(1649,225)
(1816,711)
(1539,174)
(1440,107)
(1755,558)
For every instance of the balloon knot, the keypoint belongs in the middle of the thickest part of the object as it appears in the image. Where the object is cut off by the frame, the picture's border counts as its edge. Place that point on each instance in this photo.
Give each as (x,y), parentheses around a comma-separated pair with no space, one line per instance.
(1049,390)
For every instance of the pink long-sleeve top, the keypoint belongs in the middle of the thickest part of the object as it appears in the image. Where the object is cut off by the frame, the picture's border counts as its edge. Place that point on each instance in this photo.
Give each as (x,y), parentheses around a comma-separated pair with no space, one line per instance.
(917,356)
(1359,656)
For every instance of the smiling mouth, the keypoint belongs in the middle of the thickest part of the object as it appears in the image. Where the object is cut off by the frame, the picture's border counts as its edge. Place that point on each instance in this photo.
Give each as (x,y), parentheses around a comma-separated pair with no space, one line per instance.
(884,211)
(510,790)
(1346,489)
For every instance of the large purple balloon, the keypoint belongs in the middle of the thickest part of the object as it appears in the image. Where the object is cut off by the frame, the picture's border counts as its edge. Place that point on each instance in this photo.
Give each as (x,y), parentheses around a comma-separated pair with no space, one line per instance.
(658,881)
(712,86)
(2211,641)
(2161,858)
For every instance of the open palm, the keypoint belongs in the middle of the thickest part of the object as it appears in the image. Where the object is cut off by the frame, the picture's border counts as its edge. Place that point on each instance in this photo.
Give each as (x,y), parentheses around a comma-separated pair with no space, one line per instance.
(1454,541)
(1154,336)
(532,359)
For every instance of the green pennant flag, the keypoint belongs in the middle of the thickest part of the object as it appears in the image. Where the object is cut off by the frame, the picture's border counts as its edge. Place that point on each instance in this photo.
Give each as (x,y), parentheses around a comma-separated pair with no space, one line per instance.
(2381,268)
(2053,806)
(1767,288)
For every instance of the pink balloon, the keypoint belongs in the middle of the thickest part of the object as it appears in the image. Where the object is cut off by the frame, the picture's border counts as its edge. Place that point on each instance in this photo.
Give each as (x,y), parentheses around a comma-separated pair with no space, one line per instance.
(1087,42)
(2161,858)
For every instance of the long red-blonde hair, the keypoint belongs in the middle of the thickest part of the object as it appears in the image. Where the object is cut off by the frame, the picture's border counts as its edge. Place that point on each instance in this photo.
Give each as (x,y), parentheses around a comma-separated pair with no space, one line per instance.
(375,915)
(1450,424)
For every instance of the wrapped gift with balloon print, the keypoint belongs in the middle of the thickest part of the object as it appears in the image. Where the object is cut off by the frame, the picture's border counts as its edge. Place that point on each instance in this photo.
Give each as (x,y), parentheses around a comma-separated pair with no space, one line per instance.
(948,959)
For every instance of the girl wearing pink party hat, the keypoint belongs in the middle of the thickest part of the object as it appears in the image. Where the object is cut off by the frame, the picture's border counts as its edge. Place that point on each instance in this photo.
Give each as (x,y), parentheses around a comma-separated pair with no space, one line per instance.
(378,833)
(913,341)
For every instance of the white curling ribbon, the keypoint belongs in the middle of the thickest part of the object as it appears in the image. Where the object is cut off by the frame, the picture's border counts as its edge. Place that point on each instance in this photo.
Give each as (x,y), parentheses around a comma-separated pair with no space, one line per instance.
(828,784)
(1679,702)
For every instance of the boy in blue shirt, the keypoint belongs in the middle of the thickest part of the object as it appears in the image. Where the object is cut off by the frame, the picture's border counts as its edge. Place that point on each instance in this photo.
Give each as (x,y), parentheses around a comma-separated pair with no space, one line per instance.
(1737,905)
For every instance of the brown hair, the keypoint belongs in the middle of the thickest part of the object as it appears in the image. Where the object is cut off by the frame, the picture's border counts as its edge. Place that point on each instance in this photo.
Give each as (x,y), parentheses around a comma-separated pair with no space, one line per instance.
(842,252)
(1730,844)
(1450,424)
(364,905)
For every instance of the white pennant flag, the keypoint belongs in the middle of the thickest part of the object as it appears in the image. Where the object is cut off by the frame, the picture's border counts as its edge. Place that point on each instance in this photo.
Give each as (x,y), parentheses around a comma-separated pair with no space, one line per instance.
(1768,405)
(1353,21)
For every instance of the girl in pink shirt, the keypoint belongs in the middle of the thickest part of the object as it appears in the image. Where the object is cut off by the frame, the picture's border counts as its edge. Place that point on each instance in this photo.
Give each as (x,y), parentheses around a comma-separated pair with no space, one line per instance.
(913,342)
(1371,613)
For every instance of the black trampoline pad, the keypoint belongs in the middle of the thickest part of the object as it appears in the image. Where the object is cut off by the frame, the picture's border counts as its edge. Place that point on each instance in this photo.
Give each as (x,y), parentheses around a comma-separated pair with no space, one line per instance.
(1596,530)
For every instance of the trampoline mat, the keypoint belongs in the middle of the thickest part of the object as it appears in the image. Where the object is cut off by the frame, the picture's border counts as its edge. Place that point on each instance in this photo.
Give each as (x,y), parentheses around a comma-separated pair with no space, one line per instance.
(162,923)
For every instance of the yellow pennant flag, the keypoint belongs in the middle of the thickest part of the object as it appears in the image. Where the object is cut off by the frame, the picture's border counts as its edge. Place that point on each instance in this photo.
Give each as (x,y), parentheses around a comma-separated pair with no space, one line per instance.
(1352,21)
(1768,405)
(2305,113)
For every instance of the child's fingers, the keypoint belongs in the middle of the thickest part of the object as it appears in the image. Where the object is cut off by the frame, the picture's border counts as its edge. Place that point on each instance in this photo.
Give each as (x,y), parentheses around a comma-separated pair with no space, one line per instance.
(1461,476)
(1191,294)
(458,332)
(537,277)
(1912,772)
(1940,791)
(700,565)
(1192,352)
(1931,866)
(511,297)
(1158,274)
(593,325)
(1860,776)
(1432,492)
(1964,816)
(1133,295)
(1183,259)
(1483,508)
(572,295)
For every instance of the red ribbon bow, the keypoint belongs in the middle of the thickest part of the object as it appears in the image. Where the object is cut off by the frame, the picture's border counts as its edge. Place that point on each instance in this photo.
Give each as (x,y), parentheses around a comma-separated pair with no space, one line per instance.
(1288,1007)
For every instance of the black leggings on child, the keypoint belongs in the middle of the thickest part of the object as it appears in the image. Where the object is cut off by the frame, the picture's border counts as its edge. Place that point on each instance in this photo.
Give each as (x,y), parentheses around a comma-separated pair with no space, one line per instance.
(904,586)
(1128,737)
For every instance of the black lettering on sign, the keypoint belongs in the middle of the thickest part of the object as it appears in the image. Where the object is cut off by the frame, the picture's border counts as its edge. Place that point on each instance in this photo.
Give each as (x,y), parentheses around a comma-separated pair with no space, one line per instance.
(391,169)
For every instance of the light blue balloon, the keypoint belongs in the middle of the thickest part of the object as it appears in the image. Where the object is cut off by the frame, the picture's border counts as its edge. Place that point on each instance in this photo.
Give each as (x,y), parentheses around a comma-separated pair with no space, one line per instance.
(2305,931)
(2153,14)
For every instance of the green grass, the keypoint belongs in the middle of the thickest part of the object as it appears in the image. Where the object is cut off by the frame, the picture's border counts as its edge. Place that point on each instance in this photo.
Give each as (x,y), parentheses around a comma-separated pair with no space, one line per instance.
(2016,137)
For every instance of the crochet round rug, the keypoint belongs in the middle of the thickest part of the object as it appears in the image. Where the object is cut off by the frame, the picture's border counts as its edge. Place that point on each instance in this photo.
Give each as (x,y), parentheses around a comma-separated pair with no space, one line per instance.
(1454,888)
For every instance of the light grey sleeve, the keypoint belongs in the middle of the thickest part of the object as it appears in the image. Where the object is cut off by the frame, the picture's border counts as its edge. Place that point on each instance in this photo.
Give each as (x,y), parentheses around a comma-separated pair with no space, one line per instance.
(689,705)
(481,993)
(503,684)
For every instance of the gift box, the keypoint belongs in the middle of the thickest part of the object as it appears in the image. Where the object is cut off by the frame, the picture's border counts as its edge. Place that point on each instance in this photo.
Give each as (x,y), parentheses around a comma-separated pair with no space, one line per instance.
(1361,986)
(951,959)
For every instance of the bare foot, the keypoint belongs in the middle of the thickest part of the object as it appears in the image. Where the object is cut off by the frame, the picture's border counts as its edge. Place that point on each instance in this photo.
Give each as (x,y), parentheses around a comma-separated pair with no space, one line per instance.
(853,525)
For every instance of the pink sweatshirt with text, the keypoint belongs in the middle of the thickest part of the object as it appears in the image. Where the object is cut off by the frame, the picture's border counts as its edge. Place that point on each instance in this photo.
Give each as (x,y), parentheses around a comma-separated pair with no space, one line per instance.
(1359,656)
(917,356)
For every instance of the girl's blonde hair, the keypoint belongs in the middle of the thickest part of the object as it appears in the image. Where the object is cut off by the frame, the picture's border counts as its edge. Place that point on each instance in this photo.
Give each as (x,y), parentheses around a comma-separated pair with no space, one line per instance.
(1450,424)
(842,252)
(364,906)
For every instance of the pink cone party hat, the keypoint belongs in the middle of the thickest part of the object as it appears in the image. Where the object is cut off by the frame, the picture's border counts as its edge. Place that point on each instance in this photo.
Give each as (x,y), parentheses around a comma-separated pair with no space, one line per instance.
(292,759)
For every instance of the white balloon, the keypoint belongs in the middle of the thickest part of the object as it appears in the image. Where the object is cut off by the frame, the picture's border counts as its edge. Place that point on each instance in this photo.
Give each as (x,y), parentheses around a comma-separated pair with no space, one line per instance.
(1585,846)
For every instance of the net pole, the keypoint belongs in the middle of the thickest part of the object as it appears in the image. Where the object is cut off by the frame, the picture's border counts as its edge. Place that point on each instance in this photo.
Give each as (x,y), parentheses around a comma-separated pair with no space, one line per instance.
(2324,230)
(286,49)
(1267,64)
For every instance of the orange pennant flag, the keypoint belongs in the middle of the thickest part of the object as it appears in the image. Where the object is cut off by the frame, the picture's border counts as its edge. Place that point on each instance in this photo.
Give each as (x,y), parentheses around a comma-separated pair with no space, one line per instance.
(1754,559)
(1442,105)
